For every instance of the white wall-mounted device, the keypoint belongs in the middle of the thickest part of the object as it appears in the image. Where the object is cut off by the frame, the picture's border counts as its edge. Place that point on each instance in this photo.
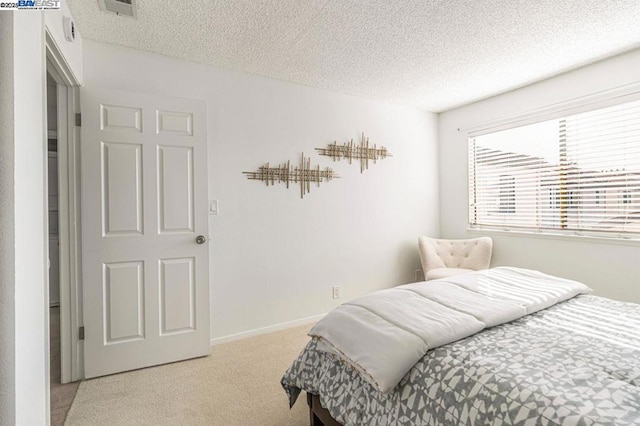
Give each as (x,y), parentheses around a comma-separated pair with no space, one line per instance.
(69,29)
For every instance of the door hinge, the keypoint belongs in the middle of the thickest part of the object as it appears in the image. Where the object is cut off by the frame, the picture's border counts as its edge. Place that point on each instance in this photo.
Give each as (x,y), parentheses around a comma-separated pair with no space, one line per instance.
(81,333)
(78,119)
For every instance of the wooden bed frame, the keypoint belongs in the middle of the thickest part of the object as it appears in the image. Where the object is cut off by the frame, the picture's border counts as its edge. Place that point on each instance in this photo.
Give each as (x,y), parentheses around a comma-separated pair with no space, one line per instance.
(318,415)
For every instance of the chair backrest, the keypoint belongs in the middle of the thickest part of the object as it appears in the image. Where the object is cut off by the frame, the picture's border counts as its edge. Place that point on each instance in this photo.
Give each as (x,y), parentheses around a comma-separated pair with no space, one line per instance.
(472,254)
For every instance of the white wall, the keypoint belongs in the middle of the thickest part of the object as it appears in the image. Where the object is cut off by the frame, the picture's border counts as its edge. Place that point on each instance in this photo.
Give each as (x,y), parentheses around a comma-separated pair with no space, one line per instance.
(22,265)
(611,269)
(32,328)
(275,257)
(7,231)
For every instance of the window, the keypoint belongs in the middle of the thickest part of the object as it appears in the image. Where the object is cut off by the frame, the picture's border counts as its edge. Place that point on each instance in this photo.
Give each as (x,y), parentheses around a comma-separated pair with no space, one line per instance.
(578,173)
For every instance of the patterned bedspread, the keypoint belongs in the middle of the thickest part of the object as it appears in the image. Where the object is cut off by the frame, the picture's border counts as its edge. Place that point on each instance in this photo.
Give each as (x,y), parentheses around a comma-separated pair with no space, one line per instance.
(577,363)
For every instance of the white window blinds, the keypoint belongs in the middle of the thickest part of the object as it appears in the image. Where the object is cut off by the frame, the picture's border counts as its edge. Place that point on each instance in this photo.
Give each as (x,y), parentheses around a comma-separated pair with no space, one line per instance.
(579,173)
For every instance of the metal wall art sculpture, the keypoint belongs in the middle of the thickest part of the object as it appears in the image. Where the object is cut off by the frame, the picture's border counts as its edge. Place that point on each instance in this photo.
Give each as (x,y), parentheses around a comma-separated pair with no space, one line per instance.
(303,175)
(349,150)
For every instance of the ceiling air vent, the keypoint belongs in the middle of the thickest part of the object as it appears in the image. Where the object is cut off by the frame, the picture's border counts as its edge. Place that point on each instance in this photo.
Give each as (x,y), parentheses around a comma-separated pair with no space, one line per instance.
(120,7)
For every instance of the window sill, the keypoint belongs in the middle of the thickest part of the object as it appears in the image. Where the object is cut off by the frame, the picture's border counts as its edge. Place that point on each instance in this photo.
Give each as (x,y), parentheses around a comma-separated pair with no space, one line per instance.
(631,241)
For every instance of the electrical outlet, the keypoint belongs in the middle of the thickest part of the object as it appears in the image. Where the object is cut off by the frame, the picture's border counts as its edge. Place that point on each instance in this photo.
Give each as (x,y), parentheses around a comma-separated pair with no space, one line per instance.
(419,275)
(337,292)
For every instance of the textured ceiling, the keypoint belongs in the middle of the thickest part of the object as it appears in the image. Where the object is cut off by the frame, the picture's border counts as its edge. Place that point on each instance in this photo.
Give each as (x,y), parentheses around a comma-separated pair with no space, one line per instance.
(431,54)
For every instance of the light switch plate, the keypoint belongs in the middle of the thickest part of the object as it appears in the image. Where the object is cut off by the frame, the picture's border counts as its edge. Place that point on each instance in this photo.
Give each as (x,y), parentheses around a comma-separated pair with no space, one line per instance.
(213,207)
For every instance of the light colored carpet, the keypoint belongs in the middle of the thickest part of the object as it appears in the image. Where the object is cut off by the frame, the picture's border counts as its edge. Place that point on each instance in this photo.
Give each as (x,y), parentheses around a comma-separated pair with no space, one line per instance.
(238,384)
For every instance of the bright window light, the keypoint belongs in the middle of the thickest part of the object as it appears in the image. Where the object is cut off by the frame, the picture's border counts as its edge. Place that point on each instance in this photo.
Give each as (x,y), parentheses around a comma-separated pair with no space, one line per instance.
(577,174)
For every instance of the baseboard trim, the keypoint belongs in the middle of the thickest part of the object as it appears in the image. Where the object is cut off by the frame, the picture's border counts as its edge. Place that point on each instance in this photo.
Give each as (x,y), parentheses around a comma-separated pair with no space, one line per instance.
(265,330)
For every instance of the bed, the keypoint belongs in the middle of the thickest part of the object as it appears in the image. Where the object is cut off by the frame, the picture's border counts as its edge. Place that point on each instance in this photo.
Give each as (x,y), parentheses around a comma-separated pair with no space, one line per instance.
(575,362)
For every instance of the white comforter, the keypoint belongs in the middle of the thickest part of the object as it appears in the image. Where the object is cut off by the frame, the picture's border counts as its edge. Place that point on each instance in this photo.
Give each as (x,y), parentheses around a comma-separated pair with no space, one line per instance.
(384,334)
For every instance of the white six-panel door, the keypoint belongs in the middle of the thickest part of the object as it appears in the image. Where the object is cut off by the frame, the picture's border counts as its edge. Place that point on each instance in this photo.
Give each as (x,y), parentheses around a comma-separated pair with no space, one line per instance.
(144,203)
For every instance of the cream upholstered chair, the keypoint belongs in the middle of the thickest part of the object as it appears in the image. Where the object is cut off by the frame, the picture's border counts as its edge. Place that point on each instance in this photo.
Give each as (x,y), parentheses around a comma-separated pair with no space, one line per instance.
(444,258)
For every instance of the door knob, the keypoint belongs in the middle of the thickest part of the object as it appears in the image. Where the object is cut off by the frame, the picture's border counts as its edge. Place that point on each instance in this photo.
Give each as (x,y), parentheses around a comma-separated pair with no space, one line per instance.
(200,239)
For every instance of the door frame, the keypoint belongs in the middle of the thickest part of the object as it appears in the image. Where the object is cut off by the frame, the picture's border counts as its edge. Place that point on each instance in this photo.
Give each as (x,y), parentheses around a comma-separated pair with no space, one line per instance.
(69,226)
